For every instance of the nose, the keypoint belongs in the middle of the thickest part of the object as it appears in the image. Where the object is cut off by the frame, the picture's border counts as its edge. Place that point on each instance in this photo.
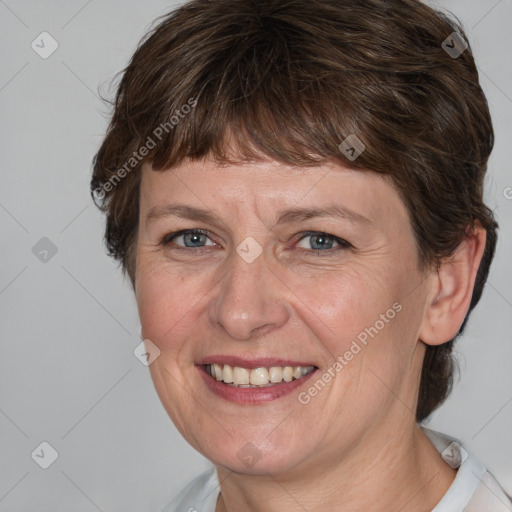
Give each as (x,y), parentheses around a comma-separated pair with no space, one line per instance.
(250,301)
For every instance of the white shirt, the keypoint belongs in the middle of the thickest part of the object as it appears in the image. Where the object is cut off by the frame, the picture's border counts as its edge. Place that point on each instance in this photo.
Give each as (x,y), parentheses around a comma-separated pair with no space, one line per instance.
(473,490)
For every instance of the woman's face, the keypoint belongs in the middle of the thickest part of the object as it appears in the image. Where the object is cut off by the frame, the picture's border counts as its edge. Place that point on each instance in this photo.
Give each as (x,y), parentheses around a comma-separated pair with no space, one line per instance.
(339,291)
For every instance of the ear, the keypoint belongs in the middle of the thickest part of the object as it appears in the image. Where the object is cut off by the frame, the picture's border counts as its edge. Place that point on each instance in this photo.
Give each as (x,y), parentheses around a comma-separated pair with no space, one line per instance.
(452,289)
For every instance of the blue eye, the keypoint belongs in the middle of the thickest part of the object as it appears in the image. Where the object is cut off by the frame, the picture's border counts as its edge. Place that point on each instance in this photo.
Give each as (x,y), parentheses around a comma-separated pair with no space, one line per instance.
(314,241)
(191,238)
(319,241)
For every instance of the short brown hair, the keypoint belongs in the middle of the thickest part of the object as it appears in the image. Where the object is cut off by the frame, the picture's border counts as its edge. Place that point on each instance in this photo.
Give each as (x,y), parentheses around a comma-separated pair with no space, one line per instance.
(292,79)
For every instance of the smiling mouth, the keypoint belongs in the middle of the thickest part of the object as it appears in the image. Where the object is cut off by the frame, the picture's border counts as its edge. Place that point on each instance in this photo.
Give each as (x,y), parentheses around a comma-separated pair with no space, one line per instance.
(262,377)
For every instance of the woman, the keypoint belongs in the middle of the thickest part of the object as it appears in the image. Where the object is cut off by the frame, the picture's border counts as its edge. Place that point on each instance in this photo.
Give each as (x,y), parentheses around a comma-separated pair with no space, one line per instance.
(295,191)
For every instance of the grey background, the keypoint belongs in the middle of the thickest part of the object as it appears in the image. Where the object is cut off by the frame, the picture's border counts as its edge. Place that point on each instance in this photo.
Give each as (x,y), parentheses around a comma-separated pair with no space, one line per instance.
(69,325)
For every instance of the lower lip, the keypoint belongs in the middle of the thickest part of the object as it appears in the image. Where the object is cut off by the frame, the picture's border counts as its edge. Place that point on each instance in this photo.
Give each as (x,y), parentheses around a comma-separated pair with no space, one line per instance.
(252,396)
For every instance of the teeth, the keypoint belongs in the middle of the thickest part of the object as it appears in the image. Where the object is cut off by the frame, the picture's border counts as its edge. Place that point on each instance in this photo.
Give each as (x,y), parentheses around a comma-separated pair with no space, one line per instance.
(276,374)
(228,374)
(258,377)
(240,376)
(288,374)
(217,371)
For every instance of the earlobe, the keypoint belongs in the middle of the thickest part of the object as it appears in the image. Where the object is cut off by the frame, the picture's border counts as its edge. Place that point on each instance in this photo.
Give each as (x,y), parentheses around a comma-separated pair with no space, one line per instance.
(452,290)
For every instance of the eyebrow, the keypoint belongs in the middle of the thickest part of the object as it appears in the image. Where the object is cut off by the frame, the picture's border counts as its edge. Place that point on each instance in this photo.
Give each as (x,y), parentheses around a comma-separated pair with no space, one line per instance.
(286,216)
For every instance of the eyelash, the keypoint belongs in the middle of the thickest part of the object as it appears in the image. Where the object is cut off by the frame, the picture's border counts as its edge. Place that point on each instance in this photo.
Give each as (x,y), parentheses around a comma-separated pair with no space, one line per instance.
(342,244)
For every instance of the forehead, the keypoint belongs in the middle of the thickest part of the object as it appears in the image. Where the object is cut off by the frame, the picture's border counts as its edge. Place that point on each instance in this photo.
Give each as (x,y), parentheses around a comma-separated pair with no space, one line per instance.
(269,182)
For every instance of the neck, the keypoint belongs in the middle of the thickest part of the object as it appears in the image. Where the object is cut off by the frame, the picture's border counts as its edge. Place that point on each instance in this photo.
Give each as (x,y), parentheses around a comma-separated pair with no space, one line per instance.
(403,472)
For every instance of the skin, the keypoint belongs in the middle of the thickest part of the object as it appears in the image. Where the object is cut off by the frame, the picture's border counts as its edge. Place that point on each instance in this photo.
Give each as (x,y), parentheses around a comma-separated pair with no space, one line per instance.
(356,445)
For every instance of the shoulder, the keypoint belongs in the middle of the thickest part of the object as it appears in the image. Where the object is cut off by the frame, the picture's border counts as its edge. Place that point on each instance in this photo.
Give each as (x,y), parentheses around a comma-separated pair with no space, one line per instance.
(200,495)
(490,496)
(474,488)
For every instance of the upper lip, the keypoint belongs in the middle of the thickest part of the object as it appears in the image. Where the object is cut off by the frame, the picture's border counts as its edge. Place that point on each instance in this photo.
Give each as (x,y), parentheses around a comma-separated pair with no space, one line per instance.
(250,364)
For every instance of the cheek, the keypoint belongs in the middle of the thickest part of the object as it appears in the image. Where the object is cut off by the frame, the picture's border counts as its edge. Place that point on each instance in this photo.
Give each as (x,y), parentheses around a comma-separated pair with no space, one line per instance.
(165,302)
(366,320)
(340,303)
